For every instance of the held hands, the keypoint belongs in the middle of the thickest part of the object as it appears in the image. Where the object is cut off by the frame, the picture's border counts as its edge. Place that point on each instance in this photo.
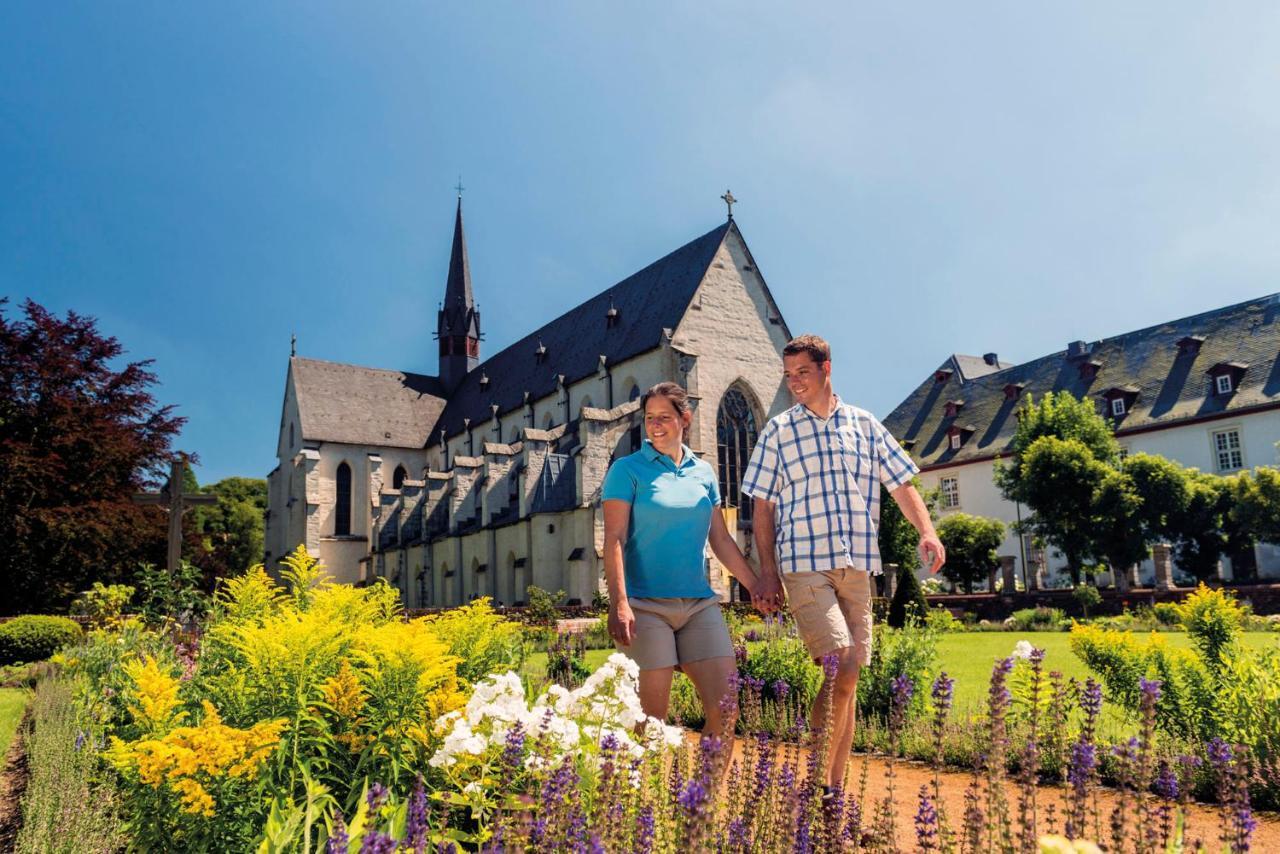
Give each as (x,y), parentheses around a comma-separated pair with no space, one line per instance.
(932,554)
(622,622)
(766,595)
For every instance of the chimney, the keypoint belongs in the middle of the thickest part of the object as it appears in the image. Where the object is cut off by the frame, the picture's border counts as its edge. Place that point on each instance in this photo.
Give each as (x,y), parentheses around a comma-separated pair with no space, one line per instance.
(1077,348)
(991,359)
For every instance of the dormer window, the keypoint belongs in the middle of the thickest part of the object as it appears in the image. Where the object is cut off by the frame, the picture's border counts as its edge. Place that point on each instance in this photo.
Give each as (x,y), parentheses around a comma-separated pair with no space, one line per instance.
(611,317)
(1190,344)
(1117,406)
(941,375)
(540,354)
(1089,369)
(957,436)
(1119,400)
(484,380)
(1013,390)
(953,408)
(1227,376)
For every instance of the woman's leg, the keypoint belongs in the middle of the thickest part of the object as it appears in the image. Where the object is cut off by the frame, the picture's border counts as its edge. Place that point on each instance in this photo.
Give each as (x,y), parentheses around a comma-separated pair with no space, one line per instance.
(711,677)
(655,691)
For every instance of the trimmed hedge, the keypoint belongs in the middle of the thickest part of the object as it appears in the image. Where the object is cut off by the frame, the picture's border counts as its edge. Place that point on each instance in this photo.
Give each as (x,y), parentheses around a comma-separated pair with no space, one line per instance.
(34,637)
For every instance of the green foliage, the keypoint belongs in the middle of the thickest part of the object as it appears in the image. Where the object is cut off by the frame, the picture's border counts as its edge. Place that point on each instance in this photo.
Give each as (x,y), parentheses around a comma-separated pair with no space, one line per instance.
(911,651)
(1214,620)
(541,609)
(567,660)
(1040,619)
(102,604)
(35,637)
(1257,503)
(942,621)
(482,640)
(162,596)
(68,805)
(785,659)
(231,532)
(1087,596)
(909,604)
(1060,478)
(1121,538)
(898,540)
(1061,416)
(971,543)
(1248,707)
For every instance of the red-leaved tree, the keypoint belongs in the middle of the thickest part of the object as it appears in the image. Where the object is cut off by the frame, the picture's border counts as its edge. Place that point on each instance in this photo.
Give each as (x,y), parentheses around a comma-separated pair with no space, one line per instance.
(79,434)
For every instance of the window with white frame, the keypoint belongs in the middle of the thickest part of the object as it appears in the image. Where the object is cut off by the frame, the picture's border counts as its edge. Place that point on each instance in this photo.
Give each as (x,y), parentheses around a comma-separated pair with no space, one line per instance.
(1227,452)
(950,493)
(1224,383)
(955,441)
(1117,406)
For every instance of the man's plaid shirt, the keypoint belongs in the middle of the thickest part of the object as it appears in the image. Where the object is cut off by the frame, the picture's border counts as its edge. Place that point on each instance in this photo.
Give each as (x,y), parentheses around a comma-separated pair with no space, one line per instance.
(823,478)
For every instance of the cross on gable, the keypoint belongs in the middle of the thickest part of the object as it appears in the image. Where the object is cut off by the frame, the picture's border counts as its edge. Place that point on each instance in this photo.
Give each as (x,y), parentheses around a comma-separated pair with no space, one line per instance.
(173,499)
(729,200)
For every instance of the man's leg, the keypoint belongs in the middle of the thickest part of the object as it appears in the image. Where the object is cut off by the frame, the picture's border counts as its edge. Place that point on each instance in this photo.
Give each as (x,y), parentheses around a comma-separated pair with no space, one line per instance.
(843,685)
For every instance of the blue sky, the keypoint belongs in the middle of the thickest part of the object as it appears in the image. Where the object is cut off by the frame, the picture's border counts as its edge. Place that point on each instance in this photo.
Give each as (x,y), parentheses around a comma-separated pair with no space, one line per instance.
(915,179)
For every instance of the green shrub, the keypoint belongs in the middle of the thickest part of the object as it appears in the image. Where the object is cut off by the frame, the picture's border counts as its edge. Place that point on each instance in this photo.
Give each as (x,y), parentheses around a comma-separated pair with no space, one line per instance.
(68,805)
(941,620)
(542,610)
(1166,613)
(102,604)
(1213,619)
(785,659)
(35,637)
(1039,619)
(484,641)
(909,604)
(911,650)
(1088,597)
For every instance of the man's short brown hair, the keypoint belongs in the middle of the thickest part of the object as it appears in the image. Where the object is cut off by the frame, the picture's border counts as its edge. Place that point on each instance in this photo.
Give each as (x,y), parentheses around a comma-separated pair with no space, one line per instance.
(818,349)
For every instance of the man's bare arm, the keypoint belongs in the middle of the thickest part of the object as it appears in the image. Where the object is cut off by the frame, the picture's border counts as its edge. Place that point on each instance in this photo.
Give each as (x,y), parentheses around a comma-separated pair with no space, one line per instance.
(915,511)
(769,588)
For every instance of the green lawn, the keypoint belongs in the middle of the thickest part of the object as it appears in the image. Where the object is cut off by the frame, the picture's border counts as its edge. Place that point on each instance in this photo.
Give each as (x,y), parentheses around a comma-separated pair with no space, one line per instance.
(968,657)
(12,703)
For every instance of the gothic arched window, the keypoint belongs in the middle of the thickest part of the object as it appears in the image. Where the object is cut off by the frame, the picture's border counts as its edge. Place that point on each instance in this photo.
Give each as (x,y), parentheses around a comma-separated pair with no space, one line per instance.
(397,479)
(735,437)
(342,505)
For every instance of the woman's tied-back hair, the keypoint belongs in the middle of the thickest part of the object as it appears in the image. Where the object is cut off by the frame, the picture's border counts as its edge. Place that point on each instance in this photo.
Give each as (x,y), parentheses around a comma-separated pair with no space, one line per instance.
(675,394)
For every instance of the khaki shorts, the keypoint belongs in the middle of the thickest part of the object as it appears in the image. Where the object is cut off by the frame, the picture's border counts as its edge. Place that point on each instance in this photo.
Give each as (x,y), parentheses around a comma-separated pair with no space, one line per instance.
(671,632)
(832,610)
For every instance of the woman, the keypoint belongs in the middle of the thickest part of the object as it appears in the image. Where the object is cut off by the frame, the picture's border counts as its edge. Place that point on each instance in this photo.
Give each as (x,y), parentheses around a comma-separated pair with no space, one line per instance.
(659,514)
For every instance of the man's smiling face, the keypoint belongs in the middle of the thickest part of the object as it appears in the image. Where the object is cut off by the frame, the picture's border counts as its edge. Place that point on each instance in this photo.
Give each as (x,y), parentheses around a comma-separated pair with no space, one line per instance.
(808,381)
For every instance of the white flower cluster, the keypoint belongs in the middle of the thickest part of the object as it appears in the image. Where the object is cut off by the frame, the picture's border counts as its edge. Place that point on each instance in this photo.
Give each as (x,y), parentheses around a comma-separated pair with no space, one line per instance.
(608,703)
(1023,649)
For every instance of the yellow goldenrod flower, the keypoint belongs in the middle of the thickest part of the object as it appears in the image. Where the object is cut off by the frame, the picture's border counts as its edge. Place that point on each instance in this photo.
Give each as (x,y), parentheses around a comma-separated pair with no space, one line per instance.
(155,699)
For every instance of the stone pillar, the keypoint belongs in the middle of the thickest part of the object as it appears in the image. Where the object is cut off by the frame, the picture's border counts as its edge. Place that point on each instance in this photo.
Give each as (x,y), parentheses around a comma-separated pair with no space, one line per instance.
(1162,555)
(1007,563)
(1038,567)
(991,580)
(890,579)
(1120,580)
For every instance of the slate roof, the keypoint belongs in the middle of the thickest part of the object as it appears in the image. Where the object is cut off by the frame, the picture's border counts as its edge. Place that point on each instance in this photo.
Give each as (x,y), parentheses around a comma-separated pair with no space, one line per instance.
(647,301)
(364,406)
(1171,386)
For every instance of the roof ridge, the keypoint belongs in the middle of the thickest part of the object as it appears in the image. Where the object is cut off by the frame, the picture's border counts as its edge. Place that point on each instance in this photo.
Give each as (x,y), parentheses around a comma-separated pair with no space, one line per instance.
(361,367)
(1226,309)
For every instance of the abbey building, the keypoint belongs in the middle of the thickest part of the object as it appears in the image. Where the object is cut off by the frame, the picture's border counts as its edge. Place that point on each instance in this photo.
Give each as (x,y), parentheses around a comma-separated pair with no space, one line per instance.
(485,478)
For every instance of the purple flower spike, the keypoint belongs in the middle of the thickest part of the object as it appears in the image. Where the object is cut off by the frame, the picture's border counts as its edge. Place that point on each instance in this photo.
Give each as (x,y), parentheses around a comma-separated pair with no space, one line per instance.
(1219,752)
(943,688)
(644,830)
(1166,785)
(1150,689)
(376,796)
(416,828)
(81,736)
(926,822)
(339,841)
(781,688)
(1091,698)
(377,843)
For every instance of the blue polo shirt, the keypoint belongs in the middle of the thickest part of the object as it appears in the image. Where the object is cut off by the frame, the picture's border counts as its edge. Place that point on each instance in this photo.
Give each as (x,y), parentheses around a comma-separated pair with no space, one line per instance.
(670,515)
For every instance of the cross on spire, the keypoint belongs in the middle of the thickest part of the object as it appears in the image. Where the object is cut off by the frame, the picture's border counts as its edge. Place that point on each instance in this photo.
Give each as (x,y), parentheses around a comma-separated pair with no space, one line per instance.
(729,200)
(459,188)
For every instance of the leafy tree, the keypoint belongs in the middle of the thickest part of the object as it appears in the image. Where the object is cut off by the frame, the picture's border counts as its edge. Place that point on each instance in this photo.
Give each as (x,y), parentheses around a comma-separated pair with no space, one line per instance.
(908,603)
(1061,416)
(1059,481)
(79,434)
(971,543)
(1116,510)
(1165,489)
(1256,499)
(1088,597)
(899,542)
(231,532)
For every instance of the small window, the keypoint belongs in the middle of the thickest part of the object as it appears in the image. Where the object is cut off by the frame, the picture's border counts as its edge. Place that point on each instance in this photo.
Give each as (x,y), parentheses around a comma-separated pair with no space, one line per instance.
(342,502)
(1117,406)
(1224,383)
(398,479)
(955,441)
(950,493)
(1124,453)
(1227,451)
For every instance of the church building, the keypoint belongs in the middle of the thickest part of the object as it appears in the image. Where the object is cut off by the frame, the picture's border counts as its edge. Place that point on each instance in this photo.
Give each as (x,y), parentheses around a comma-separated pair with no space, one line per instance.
(485,478)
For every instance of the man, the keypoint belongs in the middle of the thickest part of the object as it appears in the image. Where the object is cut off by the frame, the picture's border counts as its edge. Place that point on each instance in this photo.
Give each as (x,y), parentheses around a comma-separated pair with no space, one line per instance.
(815,477)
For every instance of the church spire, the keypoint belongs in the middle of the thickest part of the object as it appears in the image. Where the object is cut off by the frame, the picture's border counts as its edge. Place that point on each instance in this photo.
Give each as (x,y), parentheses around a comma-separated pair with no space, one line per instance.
(458,322)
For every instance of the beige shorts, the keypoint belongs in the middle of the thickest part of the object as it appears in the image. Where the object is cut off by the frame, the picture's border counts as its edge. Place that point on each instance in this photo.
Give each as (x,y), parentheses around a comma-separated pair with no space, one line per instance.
(832,610)
(671,632)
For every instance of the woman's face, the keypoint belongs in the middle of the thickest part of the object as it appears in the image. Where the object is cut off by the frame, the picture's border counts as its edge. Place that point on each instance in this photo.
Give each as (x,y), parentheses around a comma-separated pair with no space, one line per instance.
(662,424)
